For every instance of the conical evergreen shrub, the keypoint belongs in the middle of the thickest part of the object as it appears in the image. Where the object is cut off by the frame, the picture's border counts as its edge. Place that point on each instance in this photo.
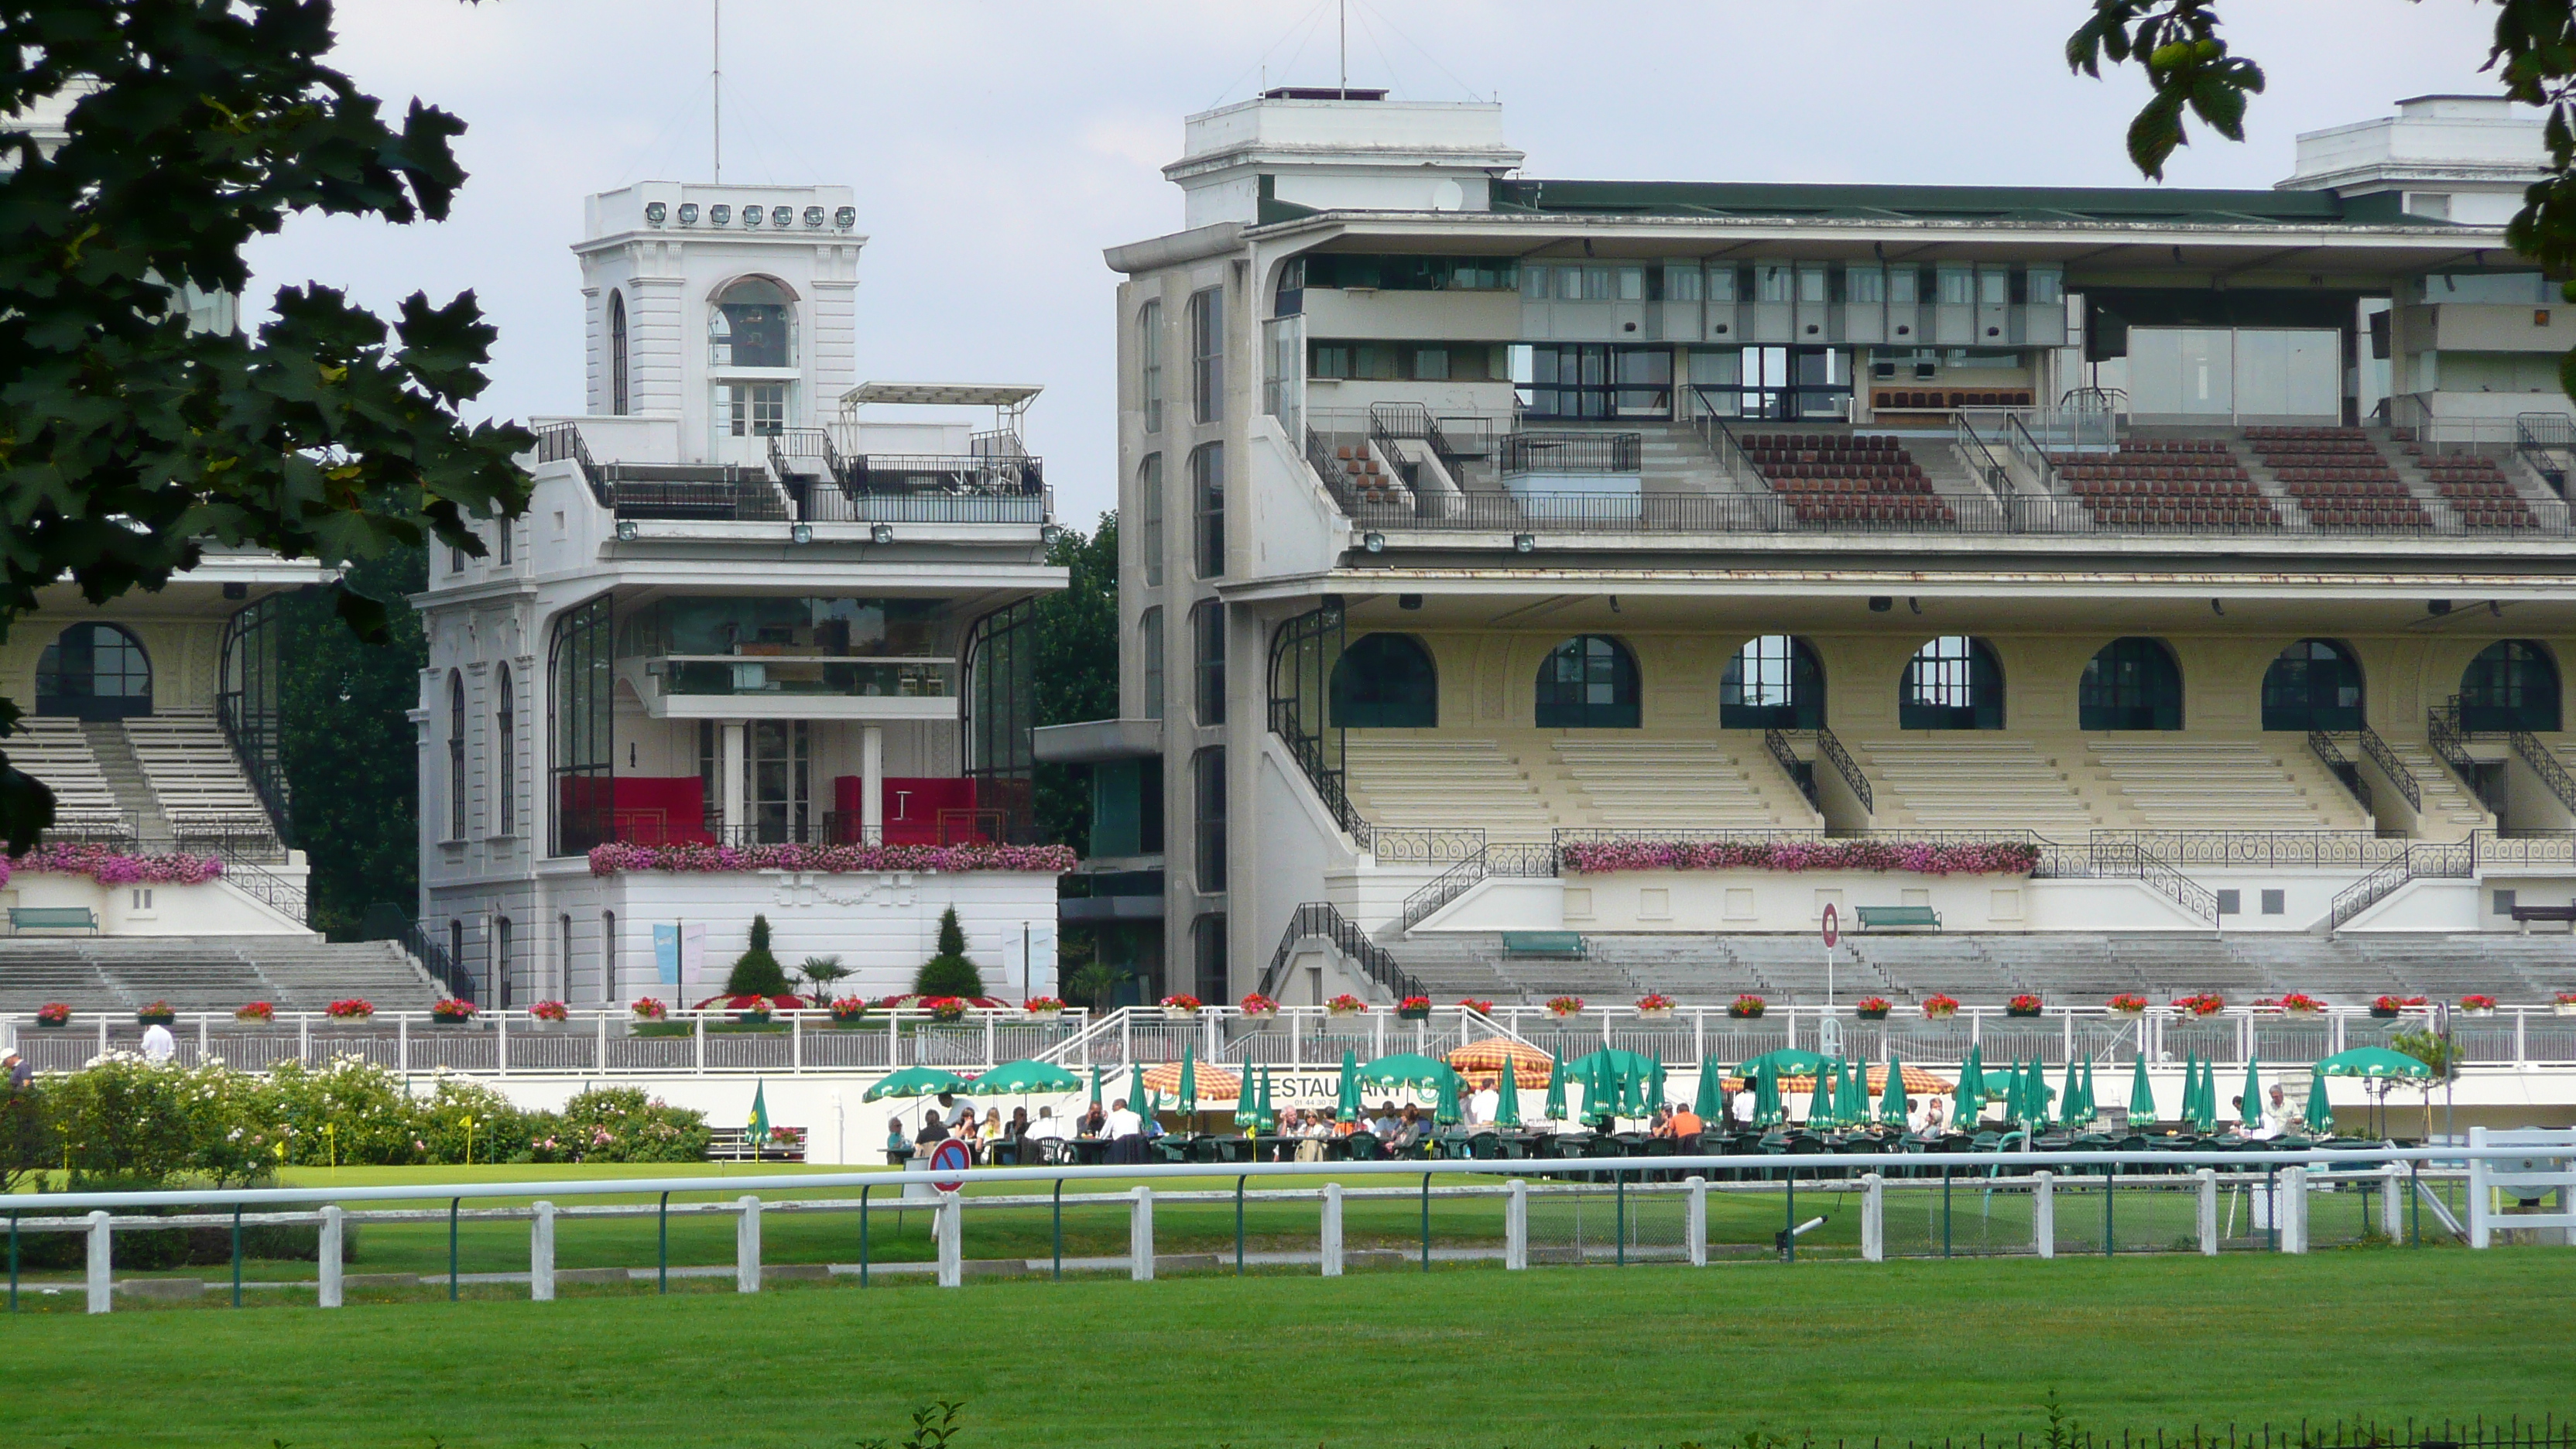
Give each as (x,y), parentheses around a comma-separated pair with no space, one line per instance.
(756,972)
(949,973)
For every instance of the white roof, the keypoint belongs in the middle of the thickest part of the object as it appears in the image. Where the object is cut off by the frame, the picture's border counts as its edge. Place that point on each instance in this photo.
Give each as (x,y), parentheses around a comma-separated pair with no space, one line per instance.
(942,394)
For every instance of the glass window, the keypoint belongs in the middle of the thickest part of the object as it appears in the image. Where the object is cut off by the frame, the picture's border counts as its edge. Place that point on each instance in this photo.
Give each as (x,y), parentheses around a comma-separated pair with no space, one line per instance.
(1207,493)
(1588,682)
(1596,284)
(2315,684)
(1207,946)
(2047,286)
(94,671)
(580,685)
(505,751)
(1289,299)
(2132,684)
(756,410)
(1534,283)
(1149,489)
(1431,364)
(1864,286)
(751,325)
(1994,286)
(1149,641)
(501,962)
(1811,284)
(1385,681)
(1773,682)
(1721,284)
(773,627)
(617,353)
(1773,281)
(1149,357)
(455,755)
(2511,685)
(1952,683)
(1207,790)
(1207,648)
(1958,286)
(1682,283)
(1902,285)
(1207,354)
(1632,284)
(608,956)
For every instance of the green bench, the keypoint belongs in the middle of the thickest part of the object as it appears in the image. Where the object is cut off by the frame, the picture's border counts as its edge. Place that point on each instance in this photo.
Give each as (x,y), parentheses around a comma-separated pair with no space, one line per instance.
(1873,918)
(1560,944)
(52,918)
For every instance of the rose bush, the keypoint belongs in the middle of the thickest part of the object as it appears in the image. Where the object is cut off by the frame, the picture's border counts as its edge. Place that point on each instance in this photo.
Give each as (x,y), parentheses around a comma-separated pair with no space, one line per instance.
(1913,857)
(619,856)
(113,867)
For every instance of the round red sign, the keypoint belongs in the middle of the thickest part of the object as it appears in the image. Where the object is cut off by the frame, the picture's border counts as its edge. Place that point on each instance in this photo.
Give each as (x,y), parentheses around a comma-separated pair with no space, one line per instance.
(950,1157)
(1833,925)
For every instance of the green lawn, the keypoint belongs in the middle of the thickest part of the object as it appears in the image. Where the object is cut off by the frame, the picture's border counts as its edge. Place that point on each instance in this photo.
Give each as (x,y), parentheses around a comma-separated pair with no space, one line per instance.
(1470,1357)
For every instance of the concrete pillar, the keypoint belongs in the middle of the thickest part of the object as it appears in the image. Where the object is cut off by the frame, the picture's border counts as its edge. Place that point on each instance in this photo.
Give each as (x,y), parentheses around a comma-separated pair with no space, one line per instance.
(102,1253)
(1695,1219)
(2290,1209)
(1516,1225)
(1330,1238)
(948,1227)
(328,1260)
(541,1254)
(2208,1216)
(729,776)
(746,1246)
(2043,1214)
(1873,1218)
(2392,1201)
(1140,1235)
(872,785)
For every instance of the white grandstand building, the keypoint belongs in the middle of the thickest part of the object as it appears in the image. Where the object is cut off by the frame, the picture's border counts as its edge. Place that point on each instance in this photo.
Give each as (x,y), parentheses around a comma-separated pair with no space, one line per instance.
(2210,546)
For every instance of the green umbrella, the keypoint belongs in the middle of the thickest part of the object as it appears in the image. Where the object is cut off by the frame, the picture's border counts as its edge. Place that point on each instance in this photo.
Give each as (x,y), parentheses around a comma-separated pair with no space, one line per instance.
(2142,1096)
(1655,1089)
(2070,1101)
(1021,1078)
(2373,1062)
(1247,1105)
(1855,1103)
(914,1082)
(1347,1109)
(1710,1103)
(2092,1108)
(2320,1111)
(1968,1099)
(1820,1102)
(1269,1119)
(1554,1111)
(1136,1097)
(1096,1070)
(1445,1112)
(1767,1110)
(2204,1105)
(1891,1094)
(1408,1069)
(2251,1111)
(1788,1061)
(1187,1099)
(1507,1097)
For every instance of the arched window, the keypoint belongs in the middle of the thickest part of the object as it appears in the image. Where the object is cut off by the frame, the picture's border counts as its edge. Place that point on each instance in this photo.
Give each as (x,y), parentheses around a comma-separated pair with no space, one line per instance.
(2314,685)
(1589,682)
(1772,683)
(1952,683)
(2511,685)
(2133,684)
(751,324)
(455,755)
(94,671)
(505,753)
(501,962)
(617,352)
(1387,682)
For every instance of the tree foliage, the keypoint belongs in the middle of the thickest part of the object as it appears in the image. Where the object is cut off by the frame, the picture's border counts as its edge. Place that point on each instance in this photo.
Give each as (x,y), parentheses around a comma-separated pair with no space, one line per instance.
(1077,637)
(2177,44)
(128,440)
(352,760)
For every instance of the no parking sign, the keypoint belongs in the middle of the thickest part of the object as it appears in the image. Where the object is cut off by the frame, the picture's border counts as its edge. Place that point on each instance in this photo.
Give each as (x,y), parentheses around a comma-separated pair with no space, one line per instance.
(950,1157)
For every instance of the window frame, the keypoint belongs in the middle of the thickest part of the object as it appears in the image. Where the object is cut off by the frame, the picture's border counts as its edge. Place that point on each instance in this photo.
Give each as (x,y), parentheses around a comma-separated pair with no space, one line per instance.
(618,400)
(1624,709)
(1207,355)
(455,756)
(505,757)
(1149,363)
(1207,819)
(1150,503)
(1207,661)
(1917,704)
(1207,504)
(1149,640)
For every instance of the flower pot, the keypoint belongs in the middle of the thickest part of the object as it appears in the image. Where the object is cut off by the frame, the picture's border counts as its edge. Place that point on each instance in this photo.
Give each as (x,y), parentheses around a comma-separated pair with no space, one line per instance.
(2128,1013)
(1939,1013)
(435,1019)
(359,1020)
(52,1025)
(2301,1011)
(1564,1015)
(1414,1013)
(661,1028)
(1259,1018)
(1743,1015)
(2389,1013)
(1654,1013)
(751,1018)
(2021,1011)
(155,1018)
(2477,1011)
(2564,1008)
(848,1023)
(1180,1013)
(1876,1013)
(1048,1014)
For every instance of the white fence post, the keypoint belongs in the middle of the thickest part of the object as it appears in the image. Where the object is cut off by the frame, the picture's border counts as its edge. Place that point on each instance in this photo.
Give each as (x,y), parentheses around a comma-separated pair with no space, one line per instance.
(746,1246)
(2043,1214)
(1516,1225)
(1140,1236)
(1695,1219)
(949,1228)
(101,1256)
(1873,1220)
(329,1255)
(2481,1194)
(541,1254)
(2208,1215)
(1330,1239)
(2292,1209)
(2392,1201)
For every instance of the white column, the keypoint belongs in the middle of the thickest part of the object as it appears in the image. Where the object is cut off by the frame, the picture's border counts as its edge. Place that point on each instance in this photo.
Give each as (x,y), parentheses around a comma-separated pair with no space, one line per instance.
(1140,1235)
(746,1246)
(101,1255)
(1516,1226)
(1695,1219)
(2043,1214)
(2208,1224)
(948,1227)
(729,774)
(872,785)
(2290,1209)
(1873,1218)
(541,1254)
(327,1259)
(2392,1201)
(1330,1237)
(2481,1193)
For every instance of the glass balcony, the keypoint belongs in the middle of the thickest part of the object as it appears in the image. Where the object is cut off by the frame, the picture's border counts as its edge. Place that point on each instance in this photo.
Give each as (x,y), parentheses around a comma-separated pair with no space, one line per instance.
(782,673)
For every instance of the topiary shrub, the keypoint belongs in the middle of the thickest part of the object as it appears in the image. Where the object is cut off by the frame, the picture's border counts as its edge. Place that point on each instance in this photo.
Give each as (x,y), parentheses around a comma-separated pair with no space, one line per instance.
(949,973)
(756,972)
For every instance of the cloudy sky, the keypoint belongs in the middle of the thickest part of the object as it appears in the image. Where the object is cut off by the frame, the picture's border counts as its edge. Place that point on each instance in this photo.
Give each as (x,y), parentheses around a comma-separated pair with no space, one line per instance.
(997,147)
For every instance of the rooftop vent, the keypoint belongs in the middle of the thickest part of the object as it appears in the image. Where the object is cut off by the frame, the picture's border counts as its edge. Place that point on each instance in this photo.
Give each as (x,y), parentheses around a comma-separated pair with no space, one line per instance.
(1320,93)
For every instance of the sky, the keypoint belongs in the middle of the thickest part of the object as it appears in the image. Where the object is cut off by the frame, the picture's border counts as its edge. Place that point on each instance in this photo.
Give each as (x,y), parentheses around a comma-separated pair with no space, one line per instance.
(997,148)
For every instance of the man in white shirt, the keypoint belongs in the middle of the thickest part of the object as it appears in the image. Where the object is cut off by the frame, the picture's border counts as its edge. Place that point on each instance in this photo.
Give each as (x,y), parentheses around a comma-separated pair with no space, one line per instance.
(1740,1107)
(158,1045)
(1486,1105)
(1126,1133)
(1047,1128)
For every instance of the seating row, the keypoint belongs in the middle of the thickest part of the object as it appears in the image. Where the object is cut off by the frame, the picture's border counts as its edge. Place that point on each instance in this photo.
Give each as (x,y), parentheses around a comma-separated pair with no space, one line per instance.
(1914,400)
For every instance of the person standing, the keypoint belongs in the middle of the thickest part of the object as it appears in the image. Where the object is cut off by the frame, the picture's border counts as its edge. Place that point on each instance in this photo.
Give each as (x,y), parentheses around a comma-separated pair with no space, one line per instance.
(22,1073)
(159,1046)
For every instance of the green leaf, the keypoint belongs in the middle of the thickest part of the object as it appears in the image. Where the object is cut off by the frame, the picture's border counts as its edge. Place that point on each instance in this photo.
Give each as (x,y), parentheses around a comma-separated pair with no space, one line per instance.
(365,616)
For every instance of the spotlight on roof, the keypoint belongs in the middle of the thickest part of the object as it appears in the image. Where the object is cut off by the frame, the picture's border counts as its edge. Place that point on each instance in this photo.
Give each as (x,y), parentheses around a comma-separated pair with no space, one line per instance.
(688,213)
(882,533)
(751,216)
(1524,543)
(845,217)
(800,533)
(780,216)
(627,532)
(656,212)
(813,216)
(1373,542)
(1048,533)
(719,215)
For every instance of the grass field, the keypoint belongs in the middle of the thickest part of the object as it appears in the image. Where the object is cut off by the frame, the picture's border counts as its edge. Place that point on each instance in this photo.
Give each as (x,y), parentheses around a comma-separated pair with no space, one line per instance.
(1467,1357)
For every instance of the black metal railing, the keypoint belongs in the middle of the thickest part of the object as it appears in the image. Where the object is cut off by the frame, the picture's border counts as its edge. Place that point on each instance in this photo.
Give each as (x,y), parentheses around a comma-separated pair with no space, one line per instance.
(2454,860)
(2263,849)
(249,838)
(1452,440)
(1517,859)
(2322,745)
(1829,747)
(679,491)
(2442,735)
(2114,859)
(2523,848)
(2376,750)
(1416,845)
(558,441)
(1800,772)
(1020,475)
(1318,920)
(1561,452)
(2545,763)
(385,921)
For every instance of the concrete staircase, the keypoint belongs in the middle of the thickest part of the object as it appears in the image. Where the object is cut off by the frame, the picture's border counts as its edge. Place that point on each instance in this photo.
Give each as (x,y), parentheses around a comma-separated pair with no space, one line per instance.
(208,973)
(114,752)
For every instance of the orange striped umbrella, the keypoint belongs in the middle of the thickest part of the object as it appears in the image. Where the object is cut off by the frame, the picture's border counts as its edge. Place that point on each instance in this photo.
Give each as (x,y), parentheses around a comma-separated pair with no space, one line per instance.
(1916,1081)
(1530,1066)
(1214,1082)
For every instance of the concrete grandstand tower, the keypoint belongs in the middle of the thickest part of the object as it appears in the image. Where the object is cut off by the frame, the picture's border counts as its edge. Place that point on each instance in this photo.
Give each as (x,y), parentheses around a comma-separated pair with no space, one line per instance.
(754,603)
(1496,543)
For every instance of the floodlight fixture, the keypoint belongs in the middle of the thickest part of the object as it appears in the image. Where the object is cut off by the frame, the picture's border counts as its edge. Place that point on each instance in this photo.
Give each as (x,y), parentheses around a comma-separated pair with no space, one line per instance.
(800,533)
(719,215)
(845,217)
(688,213)
(813,216)
(882,533)
(751,216)
(1524,543)
(627,532)
(656,212)
(1048,533)
(1373,542)
(780,216)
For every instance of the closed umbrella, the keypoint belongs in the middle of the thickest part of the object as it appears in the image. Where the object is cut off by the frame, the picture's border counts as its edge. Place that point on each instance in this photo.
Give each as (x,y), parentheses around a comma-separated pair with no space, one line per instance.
(1188,1092)
(1267,1120)
(1136,1098)
(1096,1070)
(2071,1111)
(2250,1110)
(2320,1119)
(1445,1111)
(1710,1103)
(2092,1108)
(1820,1102)
(1507,1097)
(2142,1096)
(2204,1103)
(1655,1089)
(1968,1101)
(1891,1095)
(1555,1108)
(1767,1110)
(1347,1107)
(1855,1101)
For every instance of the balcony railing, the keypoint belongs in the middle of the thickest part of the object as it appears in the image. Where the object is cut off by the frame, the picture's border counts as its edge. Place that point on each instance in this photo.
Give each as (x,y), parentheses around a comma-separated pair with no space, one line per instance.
(1547,453)
(732,674)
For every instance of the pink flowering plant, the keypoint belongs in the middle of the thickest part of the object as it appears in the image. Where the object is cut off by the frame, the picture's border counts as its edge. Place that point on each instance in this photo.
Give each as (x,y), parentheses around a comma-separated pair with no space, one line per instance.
(1912,857)
(113,867)
(621,855)
(651,1008)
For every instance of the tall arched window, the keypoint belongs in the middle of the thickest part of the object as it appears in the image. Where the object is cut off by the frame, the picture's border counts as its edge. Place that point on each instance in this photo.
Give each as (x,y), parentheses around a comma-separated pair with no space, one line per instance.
(1772,683)
(456,948)
(455,755)
(617,352)
(2511,685)
(2132,684)
(2315,684)
(1385,681)
(505,752)
(501,962)
(1589,682)
(1207,496)
(1952,683)
(608,956)
(751,324)
(94,671)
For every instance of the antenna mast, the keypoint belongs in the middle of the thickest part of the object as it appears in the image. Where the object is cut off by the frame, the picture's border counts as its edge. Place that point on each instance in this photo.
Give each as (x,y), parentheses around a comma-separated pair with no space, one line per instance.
(1346,49)
(719,80)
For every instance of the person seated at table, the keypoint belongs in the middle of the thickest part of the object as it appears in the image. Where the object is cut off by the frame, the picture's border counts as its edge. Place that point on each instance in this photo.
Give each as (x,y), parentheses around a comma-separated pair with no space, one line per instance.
(898,1148)
(1126,1133)
(1658,1125)
(932,1133)
(1684,1127)
(1386,1124)
(1410,1132)
(1095,1123)
(1936,1111)
(988,1137)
